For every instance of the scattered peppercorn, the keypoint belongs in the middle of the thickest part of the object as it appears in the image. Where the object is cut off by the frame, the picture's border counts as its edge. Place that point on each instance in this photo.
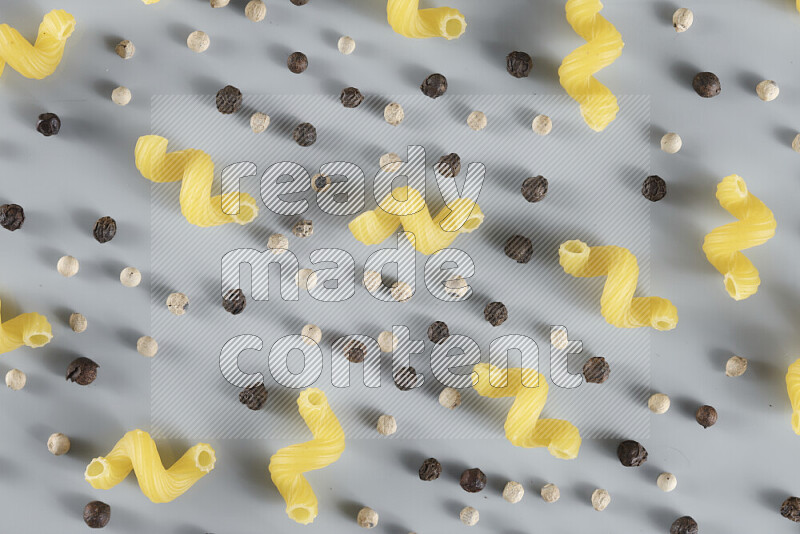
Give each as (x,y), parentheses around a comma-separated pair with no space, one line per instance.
(147,346)
(477,120)
(229,100)
(684,525)
(438,331)
(430,469)
(534,188)
(259,122)
(472,480)
(278,243)
(104,229)
(449,166)
(519,248)
(198,41)
(542,124)
(658,403)
(77,322)
(304,134)
(706,416)
(600,499)
(67,266)
(96,514)
(790,509)
(666,482)
(255,10)
(16,379)
(654,188)
(177,303)
(121,96)
(682,19)
(469,516)
(346,45)
(303,228)
(450,398)
(312,334)
(735,366)
(367,517)
(706,84)
(519,64)
(393,113)
(405,378)
(456,286)
(434,85)
(130,277)
(796,143)
(306,279)
(351,97)
(631,453)
(58,444)
(387,341)
(234,301)
(12,216)
(767,90)
(355,351)
(219,3)
(254,397)
(513,492)
(297,62)
(82,371)
(125,49)
(496,313)
(550,493)
(49,124)
(596,370)
(559,338)
(299,2)
(401,291)
(671,143)
(387,425)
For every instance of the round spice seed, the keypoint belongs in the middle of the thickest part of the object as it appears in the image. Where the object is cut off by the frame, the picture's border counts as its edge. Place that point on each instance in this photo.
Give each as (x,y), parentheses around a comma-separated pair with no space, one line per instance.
(706,416)
(367,518)
(355,351)
(519,64)
(130,277)
(542,124)
(735,366)
(401,292)
(596,370)
(125,49)
(219,3)
(438,331)
(48,124)
(767,90)
(255,10)
(306,279)
(654,188)
(177,303)
(469,516)
(297,62)
(434,85)
(68,266)
(796,143)
(387,341)
(78,323)
(312,334)
(254,397)
(706,84)
(513,492)
(259,122)
(790,509)
(198,41)
(12,216)
(372,281)
(304,134)
(450,398)
(671,143)
(550,493)
(456,286)
(234,301)
(346,45)
(82,371)
(58,444)
(105,228)
(229,100)
(682,19)
(658,403)
(390,162)
(631,453)
(534,189)
(684,525)
(430,470)
(96,514)
(495,313)
(559,338)
(449,165)
(387,425)
(472,480)
(666,482)
(405,378)
(121,96)
(278,243)
(16,380)
(393,114)
(303,228)
(147,346)
(600,499)
(519,248)
(477,120)
(351,97)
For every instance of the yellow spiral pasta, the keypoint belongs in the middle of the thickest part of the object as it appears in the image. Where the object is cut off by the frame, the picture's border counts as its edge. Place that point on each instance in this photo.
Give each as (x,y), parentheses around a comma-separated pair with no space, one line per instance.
(196,170)
(29,329)
(137,451)
(756,225)
(430,234)
(288,464)
(576,73)
(618,305)
(38,60)
(406,18)
(523,426)
(793,388)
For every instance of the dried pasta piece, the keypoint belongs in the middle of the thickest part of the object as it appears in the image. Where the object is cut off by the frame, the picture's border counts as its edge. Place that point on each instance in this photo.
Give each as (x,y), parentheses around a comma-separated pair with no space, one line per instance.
(406,18)
(756,225)
(286,467)
(523,426)
(793,388)
(148,2)
(618,305)
(429,234)
(137,451)
(38,60)
(598,105)
(196,170)
(29,329)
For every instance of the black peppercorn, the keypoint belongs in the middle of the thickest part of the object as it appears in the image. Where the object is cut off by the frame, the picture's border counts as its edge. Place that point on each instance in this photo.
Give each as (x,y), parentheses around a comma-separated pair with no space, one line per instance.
(519,248)
(434,85)
(706,415)
(229,100)
(49,124)
(534,188)
(351,97)
(104,229)
(684,525)
(654,188)
(706,84)
(305,134)
(519,64)
(438,331)
(96,514)
(631,453)
(790,509)
(449,166)
(234,301)
(496,313)
(430,469)
(473,480)
(299,2)
(355,351)
(12,216)
(405,378)
(297,62)
(82,371)
(596,370)
(254,397)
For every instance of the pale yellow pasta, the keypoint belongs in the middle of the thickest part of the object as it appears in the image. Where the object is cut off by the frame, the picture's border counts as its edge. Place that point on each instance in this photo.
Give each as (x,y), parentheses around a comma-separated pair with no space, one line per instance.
(406,18)
(286,467)
(196,170)
(137,451)
(598,105)
(148,2)
(793,388)
(756,225)
(40,59)
(618,305)
(429,234)
(523,426)
(29,329)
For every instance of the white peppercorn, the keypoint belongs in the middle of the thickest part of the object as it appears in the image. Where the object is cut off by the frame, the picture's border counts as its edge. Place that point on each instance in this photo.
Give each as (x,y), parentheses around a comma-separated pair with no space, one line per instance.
(682,19)
(600,499)
(450,398)
(387,425)
(658,403)
(58,444)
(456,286)
(401,291)
(147,346)
(78,322)
(387,341)
(767,90)
(177,303)
(259,122)
(477,120)
(542,124)
(311,334)
(559,338)
(372,280)
(278,243)
(130,277)
(735,366)
(367,518)
(219,3)
(121,96)
(321,182)
(796,143)
(346,45)
(550,493)
(666,482)
(469,516)
(68,266)
(255,10)
(303,228)
(125,49)
(306,279)
(16,379)
(198,41)
(394,114)
(390,162)
(513,492)
(671,143)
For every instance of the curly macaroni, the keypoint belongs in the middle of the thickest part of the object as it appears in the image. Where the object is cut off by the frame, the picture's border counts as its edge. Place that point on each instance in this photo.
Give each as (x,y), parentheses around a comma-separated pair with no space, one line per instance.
(406,18)
(29,329)
(793,388)
(38,60)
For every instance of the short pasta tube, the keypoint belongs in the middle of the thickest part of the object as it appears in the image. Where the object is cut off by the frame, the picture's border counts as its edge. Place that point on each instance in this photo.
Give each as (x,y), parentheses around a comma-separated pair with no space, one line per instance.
(406,18)
(29,329)
(196,171)
(40,59)
(523,426)
(137,451)
(793,388)
(287,466)
(617,304)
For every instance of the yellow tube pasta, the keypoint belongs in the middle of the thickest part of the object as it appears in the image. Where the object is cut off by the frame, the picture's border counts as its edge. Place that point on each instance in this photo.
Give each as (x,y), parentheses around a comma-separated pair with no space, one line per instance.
(148,2)
(756,225)
(287,466)
(598,105)
(430,234)
(523,426)
(196,170)
(406,18)
(618,305)
(38,60)
(29,329)
(793,388)
(137,451)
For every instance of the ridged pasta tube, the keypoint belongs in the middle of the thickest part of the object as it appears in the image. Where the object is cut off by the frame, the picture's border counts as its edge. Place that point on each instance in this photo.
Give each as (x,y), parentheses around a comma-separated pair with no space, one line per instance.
(598,105)
(38,60)
(523,426)
(793,388)
(196,170)
(618,305)
(406,18)
(756,225)
(29,329)
(137,451)
(430,234)
(286,467)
